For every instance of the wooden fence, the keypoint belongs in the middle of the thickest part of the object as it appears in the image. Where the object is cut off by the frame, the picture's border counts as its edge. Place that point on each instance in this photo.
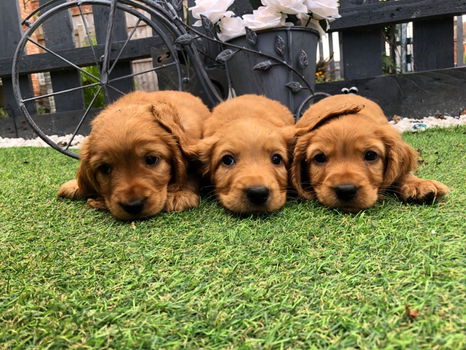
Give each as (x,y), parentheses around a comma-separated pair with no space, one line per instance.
(436,85)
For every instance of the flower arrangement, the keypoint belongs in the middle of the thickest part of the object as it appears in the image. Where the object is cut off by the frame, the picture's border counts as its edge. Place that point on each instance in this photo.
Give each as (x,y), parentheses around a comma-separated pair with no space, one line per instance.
(272,14)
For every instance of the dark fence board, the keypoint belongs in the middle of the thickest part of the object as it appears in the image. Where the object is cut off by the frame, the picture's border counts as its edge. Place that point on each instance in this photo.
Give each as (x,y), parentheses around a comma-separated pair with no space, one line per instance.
(362,52)
(413,95)
(433,44)
(83,56)
(58,34)
(60,123)
(10,29)
(362,14)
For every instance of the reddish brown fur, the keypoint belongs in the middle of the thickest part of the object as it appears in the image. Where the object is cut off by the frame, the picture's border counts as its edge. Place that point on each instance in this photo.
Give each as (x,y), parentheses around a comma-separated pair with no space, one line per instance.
(344,128)
(252,129)
(137,126)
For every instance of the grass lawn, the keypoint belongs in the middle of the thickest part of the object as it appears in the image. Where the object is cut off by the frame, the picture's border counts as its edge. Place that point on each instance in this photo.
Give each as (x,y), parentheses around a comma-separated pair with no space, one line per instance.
(305,277)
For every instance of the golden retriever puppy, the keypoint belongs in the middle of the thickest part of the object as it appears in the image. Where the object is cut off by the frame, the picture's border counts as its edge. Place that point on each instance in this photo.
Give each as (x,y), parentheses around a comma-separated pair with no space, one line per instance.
(347,153)
(133,161)
(244,152)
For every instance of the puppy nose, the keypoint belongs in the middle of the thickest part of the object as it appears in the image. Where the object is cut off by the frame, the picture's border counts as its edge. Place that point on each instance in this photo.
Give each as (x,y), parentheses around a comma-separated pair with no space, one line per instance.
(257,194)
(133,207)
(346,192)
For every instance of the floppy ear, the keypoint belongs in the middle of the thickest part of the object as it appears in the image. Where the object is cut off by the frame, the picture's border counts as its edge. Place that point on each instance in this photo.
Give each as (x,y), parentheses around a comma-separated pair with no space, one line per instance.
(299,166)
(400,160)
(289,133)
(202,151)
(320,113)
(168,118)
(87,182)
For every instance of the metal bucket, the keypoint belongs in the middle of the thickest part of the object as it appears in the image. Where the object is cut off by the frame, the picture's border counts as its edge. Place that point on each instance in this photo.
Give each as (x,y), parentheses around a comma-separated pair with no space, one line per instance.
(254,73)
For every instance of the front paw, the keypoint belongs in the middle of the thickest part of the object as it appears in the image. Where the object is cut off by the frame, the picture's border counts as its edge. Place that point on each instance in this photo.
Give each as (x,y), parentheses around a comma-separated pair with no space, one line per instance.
(181,200)
(422,191)
(97,203)
(69,189)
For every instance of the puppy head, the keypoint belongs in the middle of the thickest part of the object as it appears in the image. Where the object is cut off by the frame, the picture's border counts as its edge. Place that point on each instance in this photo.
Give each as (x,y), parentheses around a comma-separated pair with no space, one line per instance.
(247,162)
(133,158)
(348,160)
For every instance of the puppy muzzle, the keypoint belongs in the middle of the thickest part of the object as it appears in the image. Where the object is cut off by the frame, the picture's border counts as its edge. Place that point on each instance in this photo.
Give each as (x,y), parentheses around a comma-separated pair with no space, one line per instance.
(257,195)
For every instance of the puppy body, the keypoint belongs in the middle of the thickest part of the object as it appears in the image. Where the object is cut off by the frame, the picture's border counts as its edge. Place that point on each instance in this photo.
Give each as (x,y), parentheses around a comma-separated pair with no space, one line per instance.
(245,153)
(347,153)
(132,163)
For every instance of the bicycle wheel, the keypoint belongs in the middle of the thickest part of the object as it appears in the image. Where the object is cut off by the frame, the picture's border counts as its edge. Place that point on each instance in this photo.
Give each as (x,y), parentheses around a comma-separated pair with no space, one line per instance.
(81,55)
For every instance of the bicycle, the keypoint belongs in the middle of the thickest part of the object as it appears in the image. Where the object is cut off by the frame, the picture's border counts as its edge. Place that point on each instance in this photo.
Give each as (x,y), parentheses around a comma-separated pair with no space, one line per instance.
(178,56)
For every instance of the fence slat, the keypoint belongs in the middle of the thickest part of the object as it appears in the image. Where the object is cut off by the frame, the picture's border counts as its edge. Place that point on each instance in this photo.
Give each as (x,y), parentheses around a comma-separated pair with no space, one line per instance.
(459,41)
(362,52)
(58,35)
(10,28)
(119,34)
(359,13)
(82,56)
(433,44)
(413,95)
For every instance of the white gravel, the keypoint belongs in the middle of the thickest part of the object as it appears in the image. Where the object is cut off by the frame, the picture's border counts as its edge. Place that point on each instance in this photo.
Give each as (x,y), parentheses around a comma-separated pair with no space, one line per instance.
(406,124)
(38,142)
(399,123)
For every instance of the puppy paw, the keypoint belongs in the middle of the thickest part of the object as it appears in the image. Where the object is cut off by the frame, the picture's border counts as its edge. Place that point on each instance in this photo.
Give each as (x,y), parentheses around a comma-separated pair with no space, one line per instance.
(422,191)
(69,190)
(97,203)
(181,200)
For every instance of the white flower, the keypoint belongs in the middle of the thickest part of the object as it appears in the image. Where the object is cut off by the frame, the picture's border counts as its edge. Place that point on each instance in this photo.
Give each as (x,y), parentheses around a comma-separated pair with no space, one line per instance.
(213,10)
(291,7)
(308,21)
(323,9)
(264,17)
(231,27)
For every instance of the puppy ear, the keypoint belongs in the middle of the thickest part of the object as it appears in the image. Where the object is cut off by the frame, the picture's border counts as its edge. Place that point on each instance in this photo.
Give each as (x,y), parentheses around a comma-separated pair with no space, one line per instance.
(202,151)
(289,133)
(321,113)
(400,160)
(167,117)
(87,183)
(299,168)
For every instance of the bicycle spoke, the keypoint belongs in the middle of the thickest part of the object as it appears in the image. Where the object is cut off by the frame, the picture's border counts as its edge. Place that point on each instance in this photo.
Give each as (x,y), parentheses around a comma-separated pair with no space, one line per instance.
(59,92)
(123,47)
(88,35)
(83,118)
(115,89)
(143,72)
(63,59)
(108,40)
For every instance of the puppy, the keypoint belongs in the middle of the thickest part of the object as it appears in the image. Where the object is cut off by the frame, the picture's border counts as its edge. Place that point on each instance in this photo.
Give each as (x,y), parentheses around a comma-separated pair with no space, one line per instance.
(244,152)
(133,163)
(347,153)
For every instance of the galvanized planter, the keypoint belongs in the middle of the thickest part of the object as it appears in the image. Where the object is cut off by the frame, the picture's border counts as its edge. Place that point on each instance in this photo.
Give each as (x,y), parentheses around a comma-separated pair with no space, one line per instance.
(279,63)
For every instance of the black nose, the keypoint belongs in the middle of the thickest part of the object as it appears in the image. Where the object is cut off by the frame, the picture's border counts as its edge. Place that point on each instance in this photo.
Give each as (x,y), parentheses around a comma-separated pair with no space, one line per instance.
(257,194)
(133,207)
(346,192)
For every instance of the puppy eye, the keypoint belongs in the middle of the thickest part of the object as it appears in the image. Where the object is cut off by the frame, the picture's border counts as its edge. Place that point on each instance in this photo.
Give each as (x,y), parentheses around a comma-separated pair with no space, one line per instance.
(370,156)
(105,169)
(228,160)
(277,159)
(320,158)
(151,160)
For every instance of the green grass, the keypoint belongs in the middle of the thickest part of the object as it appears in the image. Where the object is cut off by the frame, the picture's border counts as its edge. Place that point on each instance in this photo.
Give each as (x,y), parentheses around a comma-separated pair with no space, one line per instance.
(305,277)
